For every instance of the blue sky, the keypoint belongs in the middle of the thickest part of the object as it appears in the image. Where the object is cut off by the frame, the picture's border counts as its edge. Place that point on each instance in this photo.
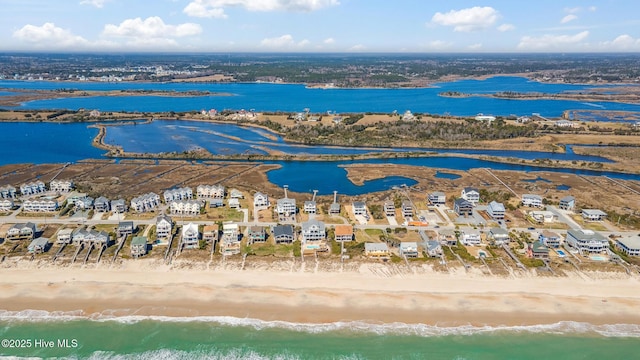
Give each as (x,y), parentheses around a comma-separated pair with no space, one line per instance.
(320,25)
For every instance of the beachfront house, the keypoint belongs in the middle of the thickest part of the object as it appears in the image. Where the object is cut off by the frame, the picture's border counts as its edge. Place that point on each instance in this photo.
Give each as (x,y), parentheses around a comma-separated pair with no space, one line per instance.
(463,207)
(38,245)
(499,236)
(145,203)
(256,234)
(543,216)
(407,209)
(6,205)
(343,232)
(261,200)
(32,188)
(408,249)
(61,186)
(567,203)
(64,236)
(118,206)
(550,239)
(138,246)
(177,194)
(22,231)
(359,208)
(496,210)
(448,237)
(185,207)
(90,237)
(587,241)
(629,245)
(40,205)
(376,250)
(125,228)
(210,233)
(101,205)
(538,250)
(437,198)
(433,248)
(593,215)
(532,200)
(389,208)
(283,234)
(230,240)
(470,237)
(471,194)
(8,192)
(190,236)
(164,226)
(313,236)
(310,207)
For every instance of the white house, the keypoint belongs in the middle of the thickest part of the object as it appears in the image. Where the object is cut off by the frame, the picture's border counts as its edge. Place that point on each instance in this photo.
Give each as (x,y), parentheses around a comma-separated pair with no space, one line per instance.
(22,231)
(230,241)
(359,208)
(7,192)
(146,202)
(61,185)
(593,214)
(190,236)
(40,205)
(210,191)
(261,200)
(310,207)
(118,206)
(64,236)
(32,188)
(629,245)
(408,249)
(6,205)
(101,204)
(587,241)
(407,209)
(470,237)
(499,236)
(286,206)
(164,225)
(185,207)
(567,203)
(437,198)
(496,210)
(532,200)
(184,193)
(471,194)
(313,236)
(550,239)
(376,250)
(543,216)
(234,203)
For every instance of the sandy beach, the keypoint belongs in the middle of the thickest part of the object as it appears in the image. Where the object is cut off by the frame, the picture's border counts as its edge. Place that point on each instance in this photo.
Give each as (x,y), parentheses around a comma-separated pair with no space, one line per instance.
(370,292)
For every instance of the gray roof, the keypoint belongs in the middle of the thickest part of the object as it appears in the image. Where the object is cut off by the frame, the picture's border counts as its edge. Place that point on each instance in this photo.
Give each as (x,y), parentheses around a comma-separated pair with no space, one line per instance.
(463,202)
(432,245)
(165,217)
(359,204)
(496,206)
(286,201)
(405,245)
(499,231)
(125,224)
(335,206)
(586,235)
(567,199)
(471,188)
(532,196)
(102,199)
(139,240)
(280,230)
(376,247)
(41,242)
(437,193)
(630,242)
(313,222)
(594,212)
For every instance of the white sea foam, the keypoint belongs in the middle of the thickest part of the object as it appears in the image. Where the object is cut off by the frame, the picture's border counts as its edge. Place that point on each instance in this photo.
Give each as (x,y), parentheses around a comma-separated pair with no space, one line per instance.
(423,330)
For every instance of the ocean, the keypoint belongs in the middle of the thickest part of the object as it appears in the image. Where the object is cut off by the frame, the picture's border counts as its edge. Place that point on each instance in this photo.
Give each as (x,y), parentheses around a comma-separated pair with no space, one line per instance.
(73,337)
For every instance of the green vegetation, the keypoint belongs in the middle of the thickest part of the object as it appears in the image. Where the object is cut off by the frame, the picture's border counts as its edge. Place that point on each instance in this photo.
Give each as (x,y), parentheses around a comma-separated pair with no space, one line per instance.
(297,250)
(464,254)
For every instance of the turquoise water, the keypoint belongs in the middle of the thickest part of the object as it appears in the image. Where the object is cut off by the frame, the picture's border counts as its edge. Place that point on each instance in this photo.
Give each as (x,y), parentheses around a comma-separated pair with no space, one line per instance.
(231,338)
(292,98)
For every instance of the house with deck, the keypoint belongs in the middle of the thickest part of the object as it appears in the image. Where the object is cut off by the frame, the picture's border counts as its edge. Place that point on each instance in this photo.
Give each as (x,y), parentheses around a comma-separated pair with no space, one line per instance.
(587,241)
(376,250)
(214,192)
(433,248)
(125,228)
(178,194)
(629,245)
(22,231)
(164,226)
(190,236)
(532,200)
(6,205)
(185,207)
(64,236)
(499,236)
(256,234)
(310,207)
(470,237)
(38,245)
(359,208)
(84,203)
(261,200)
(463,207)
(145,203)
(138,246)
(407,209)
(496,210)
(61,186)
(538,250)
(101,205)
(343,232)
(447,237)
(210,233)
(283,234)
(32,188)
(567,203)
(118,206)
(8,192)
(408,249)
(230,240)
(313,236)
(593,215)
(389,208)
(40,205)
(550,239)
(471,194)
(543,216)
(90,237)
(286,207)
(437,198)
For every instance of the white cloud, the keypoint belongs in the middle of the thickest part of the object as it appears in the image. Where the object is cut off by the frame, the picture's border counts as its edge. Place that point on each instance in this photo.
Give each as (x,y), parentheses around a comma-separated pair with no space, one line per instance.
(150,28)
(592,8)
(329,41)
(470,19)
(215,8)
(97,3)
(548,41)
(568,18)
(506,27)
(622,43)
(358,47)
(50,36)
(475,46)
(438,45)
(574,10)
(283,42)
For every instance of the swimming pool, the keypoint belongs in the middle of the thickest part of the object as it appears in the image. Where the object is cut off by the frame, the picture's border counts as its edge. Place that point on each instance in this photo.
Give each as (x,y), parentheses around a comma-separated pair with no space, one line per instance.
(598,258)
(561,253)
